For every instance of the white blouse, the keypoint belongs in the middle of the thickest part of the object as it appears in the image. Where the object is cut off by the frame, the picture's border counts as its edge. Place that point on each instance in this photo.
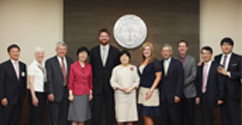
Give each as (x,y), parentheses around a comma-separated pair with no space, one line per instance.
(34,70)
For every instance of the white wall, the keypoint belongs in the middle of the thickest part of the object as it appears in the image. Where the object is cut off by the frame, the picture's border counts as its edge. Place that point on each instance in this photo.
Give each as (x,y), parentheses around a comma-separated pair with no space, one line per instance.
(219,19)
(30,23)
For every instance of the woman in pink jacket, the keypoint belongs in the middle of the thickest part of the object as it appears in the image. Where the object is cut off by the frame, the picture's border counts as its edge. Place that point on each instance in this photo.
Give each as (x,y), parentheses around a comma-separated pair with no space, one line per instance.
(80,88)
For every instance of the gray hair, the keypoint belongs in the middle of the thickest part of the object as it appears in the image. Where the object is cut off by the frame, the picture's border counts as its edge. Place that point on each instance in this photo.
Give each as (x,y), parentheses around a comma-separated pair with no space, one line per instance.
(166,45)
(37,49)
(60,43)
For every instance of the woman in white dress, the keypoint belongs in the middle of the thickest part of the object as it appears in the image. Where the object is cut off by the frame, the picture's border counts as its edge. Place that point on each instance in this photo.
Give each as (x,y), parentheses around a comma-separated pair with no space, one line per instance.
(125,81)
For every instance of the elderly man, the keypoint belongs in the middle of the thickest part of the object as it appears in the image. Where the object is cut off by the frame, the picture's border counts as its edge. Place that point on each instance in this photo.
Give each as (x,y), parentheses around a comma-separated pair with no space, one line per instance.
(171,87)
(57,74)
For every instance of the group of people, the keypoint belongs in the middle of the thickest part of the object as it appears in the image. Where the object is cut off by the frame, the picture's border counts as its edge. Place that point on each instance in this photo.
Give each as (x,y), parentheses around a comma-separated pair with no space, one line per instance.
(169,88)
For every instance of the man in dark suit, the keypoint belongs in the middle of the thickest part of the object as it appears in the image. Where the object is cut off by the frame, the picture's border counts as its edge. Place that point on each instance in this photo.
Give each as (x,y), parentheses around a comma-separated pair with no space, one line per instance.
(231,70)
(103,59)
(57,74)
(210,86)
(189,87)
(171,87)
(13,83)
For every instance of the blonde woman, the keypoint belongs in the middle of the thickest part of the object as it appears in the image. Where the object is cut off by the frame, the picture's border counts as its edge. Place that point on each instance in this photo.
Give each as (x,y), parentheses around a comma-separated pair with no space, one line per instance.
(150,75)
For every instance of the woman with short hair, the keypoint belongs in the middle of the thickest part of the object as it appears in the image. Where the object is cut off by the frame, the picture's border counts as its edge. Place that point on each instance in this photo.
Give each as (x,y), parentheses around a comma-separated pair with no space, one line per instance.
(37,94)
(125,81)
(80,88)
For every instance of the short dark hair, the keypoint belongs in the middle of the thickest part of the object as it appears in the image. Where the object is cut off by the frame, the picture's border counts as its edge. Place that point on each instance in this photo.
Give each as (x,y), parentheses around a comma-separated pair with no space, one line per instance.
(13,46)
(227,40)
(81,49)
(182,41)
(103,30)
(208,48)
(125,52)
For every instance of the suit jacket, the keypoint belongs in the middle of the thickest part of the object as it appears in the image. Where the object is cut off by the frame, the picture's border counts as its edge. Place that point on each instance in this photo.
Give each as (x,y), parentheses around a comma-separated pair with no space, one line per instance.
(102,74)
(11,87)
(190,72)
(215,84)
(172,84)
(233,83)
(55,77)
(80,79)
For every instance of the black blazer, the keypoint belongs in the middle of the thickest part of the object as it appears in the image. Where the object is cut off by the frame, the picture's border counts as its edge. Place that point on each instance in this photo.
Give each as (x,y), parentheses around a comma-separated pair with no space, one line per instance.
(172,84)
(102,75)
(10,87)
(215,84)
(55,77)
(233,84)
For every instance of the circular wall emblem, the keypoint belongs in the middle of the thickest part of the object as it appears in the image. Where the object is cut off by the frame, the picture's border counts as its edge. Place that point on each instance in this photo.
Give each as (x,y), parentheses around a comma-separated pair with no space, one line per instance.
(130,31)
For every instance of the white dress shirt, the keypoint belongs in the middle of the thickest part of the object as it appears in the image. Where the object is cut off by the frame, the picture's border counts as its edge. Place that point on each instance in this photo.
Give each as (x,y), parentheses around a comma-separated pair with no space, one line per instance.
(14,65)
(227,60)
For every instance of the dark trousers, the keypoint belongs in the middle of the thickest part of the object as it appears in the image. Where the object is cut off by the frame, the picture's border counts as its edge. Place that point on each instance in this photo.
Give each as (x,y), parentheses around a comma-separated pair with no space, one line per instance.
(58,111)
(98,100)
(37,114)
(170,113)
(206,111)
(11,114)
(230,111)
(188,111)
(206,115)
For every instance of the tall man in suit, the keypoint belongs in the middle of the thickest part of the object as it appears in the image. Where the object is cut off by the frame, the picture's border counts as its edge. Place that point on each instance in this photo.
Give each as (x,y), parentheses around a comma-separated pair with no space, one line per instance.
(57,74)
(13,83)
(210,86)
(103,59)
(171,87)
(189,88)
(231,70)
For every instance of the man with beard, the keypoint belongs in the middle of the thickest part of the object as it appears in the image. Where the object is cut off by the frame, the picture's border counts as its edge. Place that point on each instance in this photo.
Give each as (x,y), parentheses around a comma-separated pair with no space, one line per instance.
(103,59)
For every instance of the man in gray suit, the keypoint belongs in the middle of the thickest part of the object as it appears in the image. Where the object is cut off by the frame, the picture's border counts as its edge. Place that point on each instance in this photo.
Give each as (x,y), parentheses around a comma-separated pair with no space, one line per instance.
(189,89)
(57,74)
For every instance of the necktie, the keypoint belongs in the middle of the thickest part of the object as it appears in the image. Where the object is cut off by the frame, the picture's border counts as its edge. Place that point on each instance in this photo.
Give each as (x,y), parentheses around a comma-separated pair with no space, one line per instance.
(16,69)
(204,78)
(166,67)
(104,56)
(182,59)
(63,70)
(224,62)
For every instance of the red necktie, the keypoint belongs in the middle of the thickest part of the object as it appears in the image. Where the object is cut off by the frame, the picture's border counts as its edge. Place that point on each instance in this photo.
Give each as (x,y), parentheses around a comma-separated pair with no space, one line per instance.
(63,70)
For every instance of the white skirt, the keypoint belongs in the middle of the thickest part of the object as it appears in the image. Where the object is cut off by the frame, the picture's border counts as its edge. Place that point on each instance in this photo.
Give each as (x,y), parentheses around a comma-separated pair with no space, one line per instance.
(126,106)
(154,99)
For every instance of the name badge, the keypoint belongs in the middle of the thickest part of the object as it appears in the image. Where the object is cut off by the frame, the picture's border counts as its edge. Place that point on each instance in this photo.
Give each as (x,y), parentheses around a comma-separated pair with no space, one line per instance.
(23,74)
